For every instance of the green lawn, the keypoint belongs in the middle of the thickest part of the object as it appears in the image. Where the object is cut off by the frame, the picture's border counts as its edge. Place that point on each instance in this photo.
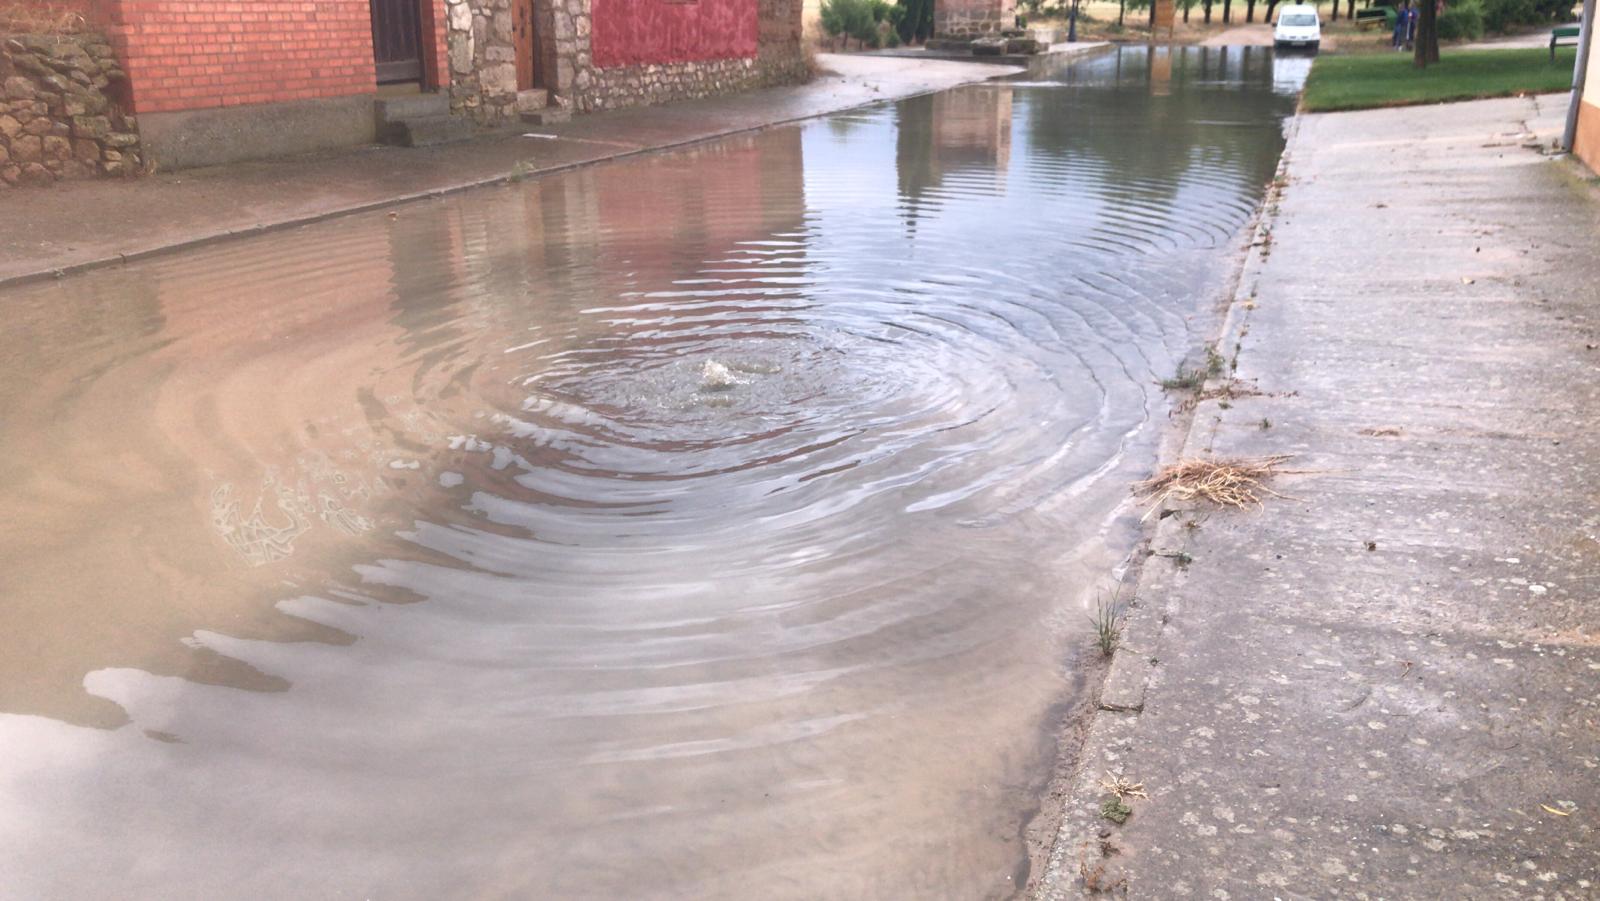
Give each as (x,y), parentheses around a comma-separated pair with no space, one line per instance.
(1359,82)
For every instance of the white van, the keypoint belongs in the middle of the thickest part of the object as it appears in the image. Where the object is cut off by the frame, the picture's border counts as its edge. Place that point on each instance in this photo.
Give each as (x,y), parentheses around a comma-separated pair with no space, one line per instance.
(1298,26)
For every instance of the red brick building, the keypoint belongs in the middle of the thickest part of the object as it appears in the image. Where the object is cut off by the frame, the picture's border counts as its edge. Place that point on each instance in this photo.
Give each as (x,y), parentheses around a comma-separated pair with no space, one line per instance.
(220,80)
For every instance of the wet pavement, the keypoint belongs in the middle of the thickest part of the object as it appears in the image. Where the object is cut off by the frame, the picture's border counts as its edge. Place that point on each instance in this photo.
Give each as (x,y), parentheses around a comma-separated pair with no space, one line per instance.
(159,212)
(700,524)
(1383,683)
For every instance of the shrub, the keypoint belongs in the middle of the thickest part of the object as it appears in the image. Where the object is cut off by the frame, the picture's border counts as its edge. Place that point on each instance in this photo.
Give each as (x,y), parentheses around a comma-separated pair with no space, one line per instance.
(851,18)
(916,20)
(1463,21)
(1506,15)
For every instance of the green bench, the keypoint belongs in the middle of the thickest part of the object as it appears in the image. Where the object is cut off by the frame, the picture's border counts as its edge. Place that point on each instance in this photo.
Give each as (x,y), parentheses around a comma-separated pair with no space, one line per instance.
(1377,16)
(1561,34)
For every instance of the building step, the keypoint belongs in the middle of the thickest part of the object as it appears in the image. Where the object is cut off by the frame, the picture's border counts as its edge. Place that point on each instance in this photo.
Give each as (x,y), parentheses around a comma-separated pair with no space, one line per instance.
(427,131)
(550,115)
(532,100)
(411,106)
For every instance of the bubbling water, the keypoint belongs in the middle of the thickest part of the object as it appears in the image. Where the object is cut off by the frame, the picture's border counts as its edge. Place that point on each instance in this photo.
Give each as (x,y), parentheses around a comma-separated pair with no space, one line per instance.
(716,376)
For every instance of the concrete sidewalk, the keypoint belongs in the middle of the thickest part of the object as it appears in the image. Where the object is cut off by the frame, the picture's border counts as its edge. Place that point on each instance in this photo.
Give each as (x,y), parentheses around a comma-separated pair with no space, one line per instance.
(1386,682)
(78,224)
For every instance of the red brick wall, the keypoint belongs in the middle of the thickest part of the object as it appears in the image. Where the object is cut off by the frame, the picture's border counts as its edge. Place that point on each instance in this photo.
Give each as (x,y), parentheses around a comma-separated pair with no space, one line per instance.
(197,54)
(636,32)
(435,58)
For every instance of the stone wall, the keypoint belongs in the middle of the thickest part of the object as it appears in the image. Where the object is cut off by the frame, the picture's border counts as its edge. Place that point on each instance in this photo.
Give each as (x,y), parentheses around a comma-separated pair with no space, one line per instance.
(779,59)
(483,59)
(483,75)
(965,20)
(60,116)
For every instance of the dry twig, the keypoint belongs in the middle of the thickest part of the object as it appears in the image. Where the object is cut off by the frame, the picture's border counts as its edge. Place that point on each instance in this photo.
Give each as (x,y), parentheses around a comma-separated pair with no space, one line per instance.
(1123,787)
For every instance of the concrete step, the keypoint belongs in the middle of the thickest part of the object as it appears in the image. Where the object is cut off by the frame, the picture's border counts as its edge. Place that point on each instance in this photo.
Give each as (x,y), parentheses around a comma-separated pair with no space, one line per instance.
(550,115)
(428,131)
(532,100)
(411,106)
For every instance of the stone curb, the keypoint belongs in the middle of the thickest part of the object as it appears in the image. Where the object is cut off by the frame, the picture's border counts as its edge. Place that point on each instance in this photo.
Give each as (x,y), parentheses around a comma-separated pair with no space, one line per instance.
(1135,666)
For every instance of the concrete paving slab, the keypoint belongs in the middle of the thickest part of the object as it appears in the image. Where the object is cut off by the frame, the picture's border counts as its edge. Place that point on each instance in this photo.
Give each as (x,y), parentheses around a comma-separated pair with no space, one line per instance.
(1385,683)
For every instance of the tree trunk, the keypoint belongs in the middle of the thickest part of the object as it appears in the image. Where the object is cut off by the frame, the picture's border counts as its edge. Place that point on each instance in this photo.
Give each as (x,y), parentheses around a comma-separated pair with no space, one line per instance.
(1152,18)
(1335,10)
(1250,11)
(1122,10)
(1426,49)
(1208,12)
(1186,13)
(1433,35)
(1227,11)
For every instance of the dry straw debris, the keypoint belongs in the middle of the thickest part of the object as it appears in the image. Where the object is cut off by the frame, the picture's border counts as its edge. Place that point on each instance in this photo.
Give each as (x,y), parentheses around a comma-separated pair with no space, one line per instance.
(39,18)
(1122,787)
(1226,483)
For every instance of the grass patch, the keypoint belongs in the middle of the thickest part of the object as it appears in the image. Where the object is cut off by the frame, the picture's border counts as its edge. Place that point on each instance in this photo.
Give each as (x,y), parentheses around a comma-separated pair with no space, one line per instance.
(1107,629)
(1185,380)
(1360,82)
(1195,379)
(1116,810)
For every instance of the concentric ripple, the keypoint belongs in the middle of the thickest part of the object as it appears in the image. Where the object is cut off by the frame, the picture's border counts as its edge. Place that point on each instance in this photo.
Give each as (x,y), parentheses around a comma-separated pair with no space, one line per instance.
(708,524)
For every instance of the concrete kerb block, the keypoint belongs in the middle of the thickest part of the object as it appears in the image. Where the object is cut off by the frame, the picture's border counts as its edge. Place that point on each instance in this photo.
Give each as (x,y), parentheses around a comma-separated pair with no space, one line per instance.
(1160,575)
(1077,848)
(1156,581)
(1135,667)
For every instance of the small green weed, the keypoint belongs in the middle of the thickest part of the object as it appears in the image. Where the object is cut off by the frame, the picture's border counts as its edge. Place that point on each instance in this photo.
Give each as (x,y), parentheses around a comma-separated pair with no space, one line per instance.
(1116,810)
(1181,558)
(1185,380)
(1106,619)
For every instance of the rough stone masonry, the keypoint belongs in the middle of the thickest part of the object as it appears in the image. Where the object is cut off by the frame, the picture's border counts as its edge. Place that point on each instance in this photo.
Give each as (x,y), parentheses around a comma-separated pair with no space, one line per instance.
(59,117)
(480,37)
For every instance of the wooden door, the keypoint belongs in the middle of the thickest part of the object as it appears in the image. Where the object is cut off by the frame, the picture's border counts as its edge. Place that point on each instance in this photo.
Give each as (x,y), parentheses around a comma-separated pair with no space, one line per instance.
(397,40)
(528,74)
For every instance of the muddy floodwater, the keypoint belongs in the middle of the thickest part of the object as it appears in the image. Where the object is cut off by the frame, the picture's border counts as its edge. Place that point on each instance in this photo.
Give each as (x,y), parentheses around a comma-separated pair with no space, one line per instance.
(711,524)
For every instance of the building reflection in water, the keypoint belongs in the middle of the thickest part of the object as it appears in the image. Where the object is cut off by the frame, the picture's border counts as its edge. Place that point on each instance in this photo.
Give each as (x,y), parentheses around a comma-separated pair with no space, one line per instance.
(192,439)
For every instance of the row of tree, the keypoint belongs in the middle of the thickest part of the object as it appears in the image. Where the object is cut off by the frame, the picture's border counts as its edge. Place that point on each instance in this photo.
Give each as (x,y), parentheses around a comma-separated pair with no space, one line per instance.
(907,21)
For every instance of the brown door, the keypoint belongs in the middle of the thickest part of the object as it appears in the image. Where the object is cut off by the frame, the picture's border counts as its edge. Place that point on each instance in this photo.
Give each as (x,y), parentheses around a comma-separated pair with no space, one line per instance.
(397,40)
(528,75)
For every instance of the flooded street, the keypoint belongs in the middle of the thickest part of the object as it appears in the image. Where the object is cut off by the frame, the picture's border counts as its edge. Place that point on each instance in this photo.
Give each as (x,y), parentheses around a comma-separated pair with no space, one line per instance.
(710,524)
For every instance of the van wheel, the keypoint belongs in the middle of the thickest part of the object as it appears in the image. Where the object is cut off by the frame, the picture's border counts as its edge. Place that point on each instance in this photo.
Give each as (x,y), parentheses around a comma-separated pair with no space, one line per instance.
(1314,46)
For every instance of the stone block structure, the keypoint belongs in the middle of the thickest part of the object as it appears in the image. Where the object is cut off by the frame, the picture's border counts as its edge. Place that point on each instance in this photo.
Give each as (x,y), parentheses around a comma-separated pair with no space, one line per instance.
(60,114)
(608,54)
(969,20)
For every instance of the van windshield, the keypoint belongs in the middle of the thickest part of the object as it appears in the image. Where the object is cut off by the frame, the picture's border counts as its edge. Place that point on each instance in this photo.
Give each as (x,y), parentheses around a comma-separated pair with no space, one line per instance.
(1297,19)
